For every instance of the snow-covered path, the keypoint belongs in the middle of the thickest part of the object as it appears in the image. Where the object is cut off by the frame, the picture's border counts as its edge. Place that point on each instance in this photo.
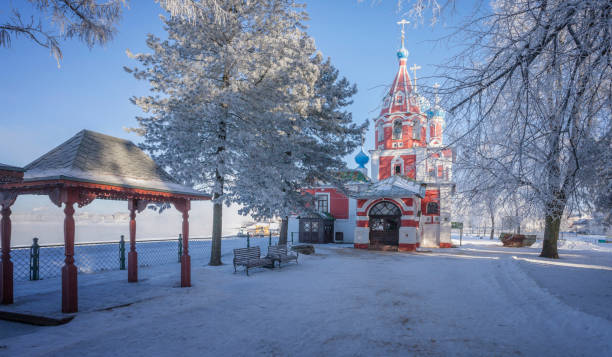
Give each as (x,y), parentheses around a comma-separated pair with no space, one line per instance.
(477,300)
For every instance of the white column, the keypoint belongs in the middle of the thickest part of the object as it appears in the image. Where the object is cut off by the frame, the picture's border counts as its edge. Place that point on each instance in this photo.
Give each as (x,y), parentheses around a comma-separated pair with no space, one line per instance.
(362,237)
(445,216)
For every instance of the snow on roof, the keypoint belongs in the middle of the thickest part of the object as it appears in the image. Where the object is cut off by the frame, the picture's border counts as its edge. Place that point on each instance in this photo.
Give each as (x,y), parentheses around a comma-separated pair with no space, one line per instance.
(10,168)
(97,158)
(394,186)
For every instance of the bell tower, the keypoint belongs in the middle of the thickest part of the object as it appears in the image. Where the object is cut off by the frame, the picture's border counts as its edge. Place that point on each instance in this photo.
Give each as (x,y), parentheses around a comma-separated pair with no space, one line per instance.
(401,126)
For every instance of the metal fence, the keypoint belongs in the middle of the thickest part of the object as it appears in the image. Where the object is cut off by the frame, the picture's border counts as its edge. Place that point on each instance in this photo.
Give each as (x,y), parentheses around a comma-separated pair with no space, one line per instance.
(45,261)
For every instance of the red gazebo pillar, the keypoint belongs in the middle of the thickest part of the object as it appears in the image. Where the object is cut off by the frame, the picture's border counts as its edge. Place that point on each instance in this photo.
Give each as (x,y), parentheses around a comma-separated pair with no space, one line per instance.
(132,255)
(184,206)
(6,268)
(70,296)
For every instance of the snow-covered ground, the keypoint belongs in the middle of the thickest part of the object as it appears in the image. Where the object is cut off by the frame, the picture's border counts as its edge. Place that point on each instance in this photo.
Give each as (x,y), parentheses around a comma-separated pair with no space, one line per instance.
(475,300)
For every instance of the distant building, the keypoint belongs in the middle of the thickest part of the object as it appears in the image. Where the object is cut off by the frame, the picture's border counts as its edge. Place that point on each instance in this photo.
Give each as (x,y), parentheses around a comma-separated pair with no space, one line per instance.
(406,201)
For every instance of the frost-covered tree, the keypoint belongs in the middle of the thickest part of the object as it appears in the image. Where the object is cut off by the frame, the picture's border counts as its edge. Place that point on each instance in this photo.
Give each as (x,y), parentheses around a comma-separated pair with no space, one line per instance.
(533,96)
(236,103)
(47,22)
(531,102)
(91,21)
(306,149)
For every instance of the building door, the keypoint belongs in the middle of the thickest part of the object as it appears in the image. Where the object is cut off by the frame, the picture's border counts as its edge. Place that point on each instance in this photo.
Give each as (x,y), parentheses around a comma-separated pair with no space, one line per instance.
(328,231)
(309,230)
(385,218)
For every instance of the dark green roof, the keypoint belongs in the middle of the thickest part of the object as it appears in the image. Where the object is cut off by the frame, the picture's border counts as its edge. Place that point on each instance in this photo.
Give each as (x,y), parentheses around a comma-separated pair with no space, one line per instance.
(353,176)
(11,168)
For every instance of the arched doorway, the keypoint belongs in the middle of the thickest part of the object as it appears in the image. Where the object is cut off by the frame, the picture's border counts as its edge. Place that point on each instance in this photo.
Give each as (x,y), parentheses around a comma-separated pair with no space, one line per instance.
(385,218)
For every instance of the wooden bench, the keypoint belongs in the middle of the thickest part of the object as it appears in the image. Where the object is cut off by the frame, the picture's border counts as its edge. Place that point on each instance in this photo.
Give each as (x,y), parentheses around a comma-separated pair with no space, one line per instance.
(278,253)
(250,258)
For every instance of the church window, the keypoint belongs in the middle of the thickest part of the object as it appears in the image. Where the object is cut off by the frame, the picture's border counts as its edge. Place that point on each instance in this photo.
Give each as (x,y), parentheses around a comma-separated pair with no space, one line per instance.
(433,208)
(381,132)
(398,169)
(399,98)
(397,130)
(322,203)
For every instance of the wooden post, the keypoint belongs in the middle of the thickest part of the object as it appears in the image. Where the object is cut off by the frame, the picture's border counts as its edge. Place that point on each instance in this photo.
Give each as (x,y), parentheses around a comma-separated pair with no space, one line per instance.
(6,269)
(132,255)
(69,270)
(184,206)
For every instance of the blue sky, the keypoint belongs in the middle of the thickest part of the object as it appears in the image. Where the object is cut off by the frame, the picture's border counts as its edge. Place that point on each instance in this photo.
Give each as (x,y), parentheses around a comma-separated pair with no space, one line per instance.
(42,105)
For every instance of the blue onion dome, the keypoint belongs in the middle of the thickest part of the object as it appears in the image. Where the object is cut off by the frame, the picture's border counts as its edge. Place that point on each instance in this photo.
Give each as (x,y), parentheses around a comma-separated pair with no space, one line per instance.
(424,104)
(439,112)
(402,53)
(361,159)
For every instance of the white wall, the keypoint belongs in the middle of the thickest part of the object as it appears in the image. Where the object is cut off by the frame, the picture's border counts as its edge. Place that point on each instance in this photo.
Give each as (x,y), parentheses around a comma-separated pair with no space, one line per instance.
(293,226)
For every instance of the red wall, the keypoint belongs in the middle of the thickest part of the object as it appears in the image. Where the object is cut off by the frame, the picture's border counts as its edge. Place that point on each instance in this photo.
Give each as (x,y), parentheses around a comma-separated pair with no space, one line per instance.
(338,203)
(430,196)
(406,140)
(409,165)
(384,168)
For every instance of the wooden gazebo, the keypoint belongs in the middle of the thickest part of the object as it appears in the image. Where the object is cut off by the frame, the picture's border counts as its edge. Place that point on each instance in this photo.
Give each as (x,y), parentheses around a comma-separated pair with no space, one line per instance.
(88,166)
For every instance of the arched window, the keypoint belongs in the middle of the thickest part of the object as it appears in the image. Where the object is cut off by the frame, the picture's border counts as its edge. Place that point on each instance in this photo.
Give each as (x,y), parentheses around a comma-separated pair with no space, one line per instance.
(385,208)
(397,130)
(416,131)
(433,208)
(381,132)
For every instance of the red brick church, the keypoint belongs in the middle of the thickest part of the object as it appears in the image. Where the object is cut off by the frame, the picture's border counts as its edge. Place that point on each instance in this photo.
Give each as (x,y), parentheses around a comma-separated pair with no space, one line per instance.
(405,203)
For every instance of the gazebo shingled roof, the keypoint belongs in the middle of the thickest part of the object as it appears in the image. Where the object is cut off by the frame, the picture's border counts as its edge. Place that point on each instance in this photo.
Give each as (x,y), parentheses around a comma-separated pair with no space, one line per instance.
(97,158)
(86,167)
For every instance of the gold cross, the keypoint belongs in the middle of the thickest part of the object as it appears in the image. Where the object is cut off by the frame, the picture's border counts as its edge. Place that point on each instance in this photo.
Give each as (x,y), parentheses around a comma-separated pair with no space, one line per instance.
(403,23)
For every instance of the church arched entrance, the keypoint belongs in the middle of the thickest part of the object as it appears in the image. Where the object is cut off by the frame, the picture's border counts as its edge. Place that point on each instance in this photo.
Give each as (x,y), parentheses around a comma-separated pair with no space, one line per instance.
(385,218)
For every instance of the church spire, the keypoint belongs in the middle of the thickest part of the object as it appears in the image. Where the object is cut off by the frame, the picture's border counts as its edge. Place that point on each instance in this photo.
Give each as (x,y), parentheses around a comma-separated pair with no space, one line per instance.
(399,97)
(403,52)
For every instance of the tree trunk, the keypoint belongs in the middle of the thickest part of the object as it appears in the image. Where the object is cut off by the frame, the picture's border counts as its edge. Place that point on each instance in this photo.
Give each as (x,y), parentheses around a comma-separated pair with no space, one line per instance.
(492,227)
(215,250)
(551,235)
(552,223)
(282,239)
